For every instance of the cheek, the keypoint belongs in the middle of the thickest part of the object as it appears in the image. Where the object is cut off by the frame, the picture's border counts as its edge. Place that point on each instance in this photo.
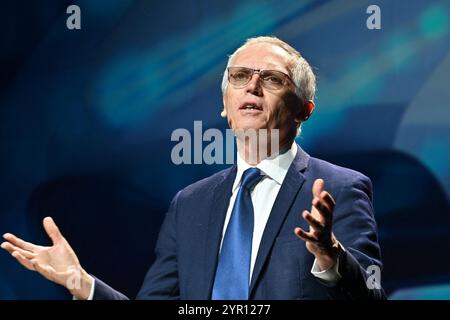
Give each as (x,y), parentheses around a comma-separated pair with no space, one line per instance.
(230,102)
(280,117)
(277,112)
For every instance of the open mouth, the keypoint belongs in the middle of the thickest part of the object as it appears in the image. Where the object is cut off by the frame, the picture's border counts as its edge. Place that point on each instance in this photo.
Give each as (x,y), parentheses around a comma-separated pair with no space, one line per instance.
(250,106)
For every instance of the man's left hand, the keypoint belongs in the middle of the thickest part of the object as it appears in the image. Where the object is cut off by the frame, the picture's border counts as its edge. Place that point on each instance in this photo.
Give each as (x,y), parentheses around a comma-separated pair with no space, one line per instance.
(320,240)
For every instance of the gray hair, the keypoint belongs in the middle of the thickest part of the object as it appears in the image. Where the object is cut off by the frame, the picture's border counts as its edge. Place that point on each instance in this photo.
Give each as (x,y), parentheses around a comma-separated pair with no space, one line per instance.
(299,68)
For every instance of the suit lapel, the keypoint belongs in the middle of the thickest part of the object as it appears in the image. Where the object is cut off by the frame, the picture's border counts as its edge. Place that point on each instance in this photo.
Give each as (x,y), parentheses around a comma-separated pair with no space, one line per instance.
(216,220)
(289,189)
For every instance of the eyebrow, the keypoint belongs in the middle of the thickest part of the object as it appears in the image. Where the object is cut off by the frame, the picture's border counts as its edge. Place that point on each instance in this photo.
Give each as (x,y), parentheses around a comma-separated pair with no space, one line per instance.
(272,69)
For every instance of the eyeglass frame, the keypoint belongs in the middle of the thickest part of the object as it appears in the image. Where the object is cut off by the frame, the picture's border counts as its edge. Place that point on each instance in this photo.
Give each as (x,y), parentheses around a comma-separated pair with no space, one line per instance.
(259,72)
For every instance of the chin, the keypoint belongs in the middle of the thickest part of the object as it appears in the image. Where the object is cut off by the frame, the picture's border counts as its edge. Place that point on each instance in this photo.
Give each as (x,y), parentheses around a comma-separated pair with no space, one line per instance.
(244,125)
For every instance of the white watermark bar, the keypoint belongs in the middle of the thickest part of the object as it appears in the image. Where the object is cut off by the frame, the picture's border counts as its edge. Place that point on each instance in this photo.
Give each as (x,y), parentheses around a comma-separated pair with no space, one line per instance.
(214,147)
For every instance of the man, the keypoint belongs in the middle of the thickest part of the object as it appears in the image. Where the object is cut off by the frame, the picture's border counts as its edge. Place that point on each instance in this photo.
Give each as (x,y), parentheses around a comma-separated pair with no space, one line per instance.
(242,233)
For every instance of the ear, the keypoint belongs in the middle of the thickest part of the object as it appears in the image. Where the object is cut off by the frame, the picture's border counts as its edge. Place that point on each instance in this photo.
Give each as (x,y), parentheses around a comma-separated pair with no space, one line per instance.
(307,110)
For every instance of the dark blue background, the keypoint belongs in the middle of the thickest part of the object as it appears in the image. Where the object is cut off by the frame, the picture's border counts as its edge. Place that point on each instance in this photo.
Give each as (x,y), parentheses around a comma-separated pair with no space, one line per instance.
(86,117)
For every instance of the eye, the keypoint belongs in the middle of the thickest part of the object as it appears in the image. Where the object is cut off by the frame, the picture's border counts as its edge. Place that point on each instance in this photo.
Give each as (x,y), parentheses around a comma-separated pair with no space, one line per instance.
(239,75)
(273,79)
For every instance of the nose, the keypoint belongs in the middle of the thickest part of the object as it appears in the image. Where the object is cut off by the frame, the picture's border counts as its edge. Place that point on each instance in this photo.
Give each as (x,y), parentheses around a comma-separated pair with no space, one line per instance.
(254,86)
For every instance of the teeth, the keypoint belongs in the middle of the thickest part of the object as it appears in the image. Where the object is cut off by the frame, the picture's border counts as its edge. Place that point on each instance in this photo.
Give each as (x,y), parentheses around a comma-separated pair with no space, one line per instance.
(250,107)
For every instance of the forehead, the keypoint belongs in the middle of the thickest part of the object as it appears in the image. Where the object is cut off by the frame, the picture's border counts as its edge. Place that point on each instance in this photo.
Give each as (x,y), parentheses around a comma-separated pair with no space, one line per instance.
(262,56)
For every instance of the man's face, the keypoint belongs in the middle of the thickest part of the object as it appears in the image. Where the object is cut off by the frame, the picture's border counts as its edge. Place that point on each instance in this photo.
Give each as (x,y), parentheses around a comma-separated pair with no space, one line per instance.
(275,109)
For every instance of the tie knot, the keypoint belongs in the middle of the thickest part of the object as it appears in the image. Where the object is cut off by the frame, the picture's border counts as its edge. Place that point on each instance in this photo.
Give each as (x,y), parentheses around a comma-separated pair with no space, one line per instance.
(251,177)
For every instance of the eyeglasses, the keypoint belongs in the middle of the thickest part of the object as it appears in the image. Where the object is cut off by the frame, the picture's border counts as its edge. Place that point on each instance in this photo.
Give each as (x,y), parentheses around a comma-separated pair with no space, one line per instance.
(270,79)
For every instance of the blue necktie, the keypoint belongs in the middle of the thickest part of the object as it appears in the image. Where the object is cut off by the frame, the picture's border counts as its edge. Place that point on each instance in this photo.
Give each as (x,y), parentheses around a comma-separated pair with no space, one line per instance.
(233,271)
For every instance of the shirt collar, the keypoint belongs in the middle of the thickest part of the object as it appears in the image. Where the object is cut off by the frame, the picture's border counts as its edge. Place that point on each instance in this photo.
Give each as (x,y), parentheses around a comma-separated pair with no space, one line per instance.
(275,168)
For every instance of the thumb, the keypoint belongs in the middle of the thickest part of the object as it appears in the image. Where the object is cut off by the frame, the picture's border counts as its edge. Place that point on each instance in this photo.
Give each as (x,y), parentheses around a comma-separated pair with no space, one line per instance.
(52,230)
(318,187)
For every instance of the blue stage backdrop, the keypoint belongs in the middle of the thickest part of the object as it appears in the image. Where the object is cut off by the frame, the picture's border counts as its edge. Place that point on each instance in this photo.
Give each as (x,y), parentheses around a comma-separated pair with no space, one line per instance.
(86,118)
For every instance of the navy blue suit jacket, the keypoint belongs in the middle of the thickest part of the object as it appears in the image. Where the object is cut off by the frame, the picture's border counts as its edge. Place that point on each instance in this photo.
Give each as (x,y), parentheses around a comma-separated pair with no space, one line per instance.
(189,240)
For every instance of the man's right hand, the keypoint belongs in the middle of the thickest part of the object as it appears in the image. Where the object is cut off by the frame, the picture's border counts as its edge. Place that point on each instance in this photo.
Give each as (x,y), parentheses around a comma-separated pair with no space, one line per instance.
(57,263)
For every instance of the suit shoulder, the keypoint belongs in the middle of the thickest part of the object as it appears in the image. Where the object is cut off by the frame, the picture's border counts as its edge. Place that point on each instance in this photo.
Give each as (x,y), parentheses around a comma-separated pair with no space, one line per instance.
(206,184)
(339,178)
(330,171)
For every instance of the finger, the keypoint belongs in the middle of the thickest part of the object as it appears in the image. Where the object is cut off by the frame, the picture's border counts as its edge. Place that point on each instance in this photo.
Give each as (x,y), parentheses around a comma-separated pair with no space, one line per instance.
(23,261)
(318,187)
(305,236)
(322,208)
(328,199)
(20,243)
(52,230)
(6,245)
(11,248)
(312,221)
